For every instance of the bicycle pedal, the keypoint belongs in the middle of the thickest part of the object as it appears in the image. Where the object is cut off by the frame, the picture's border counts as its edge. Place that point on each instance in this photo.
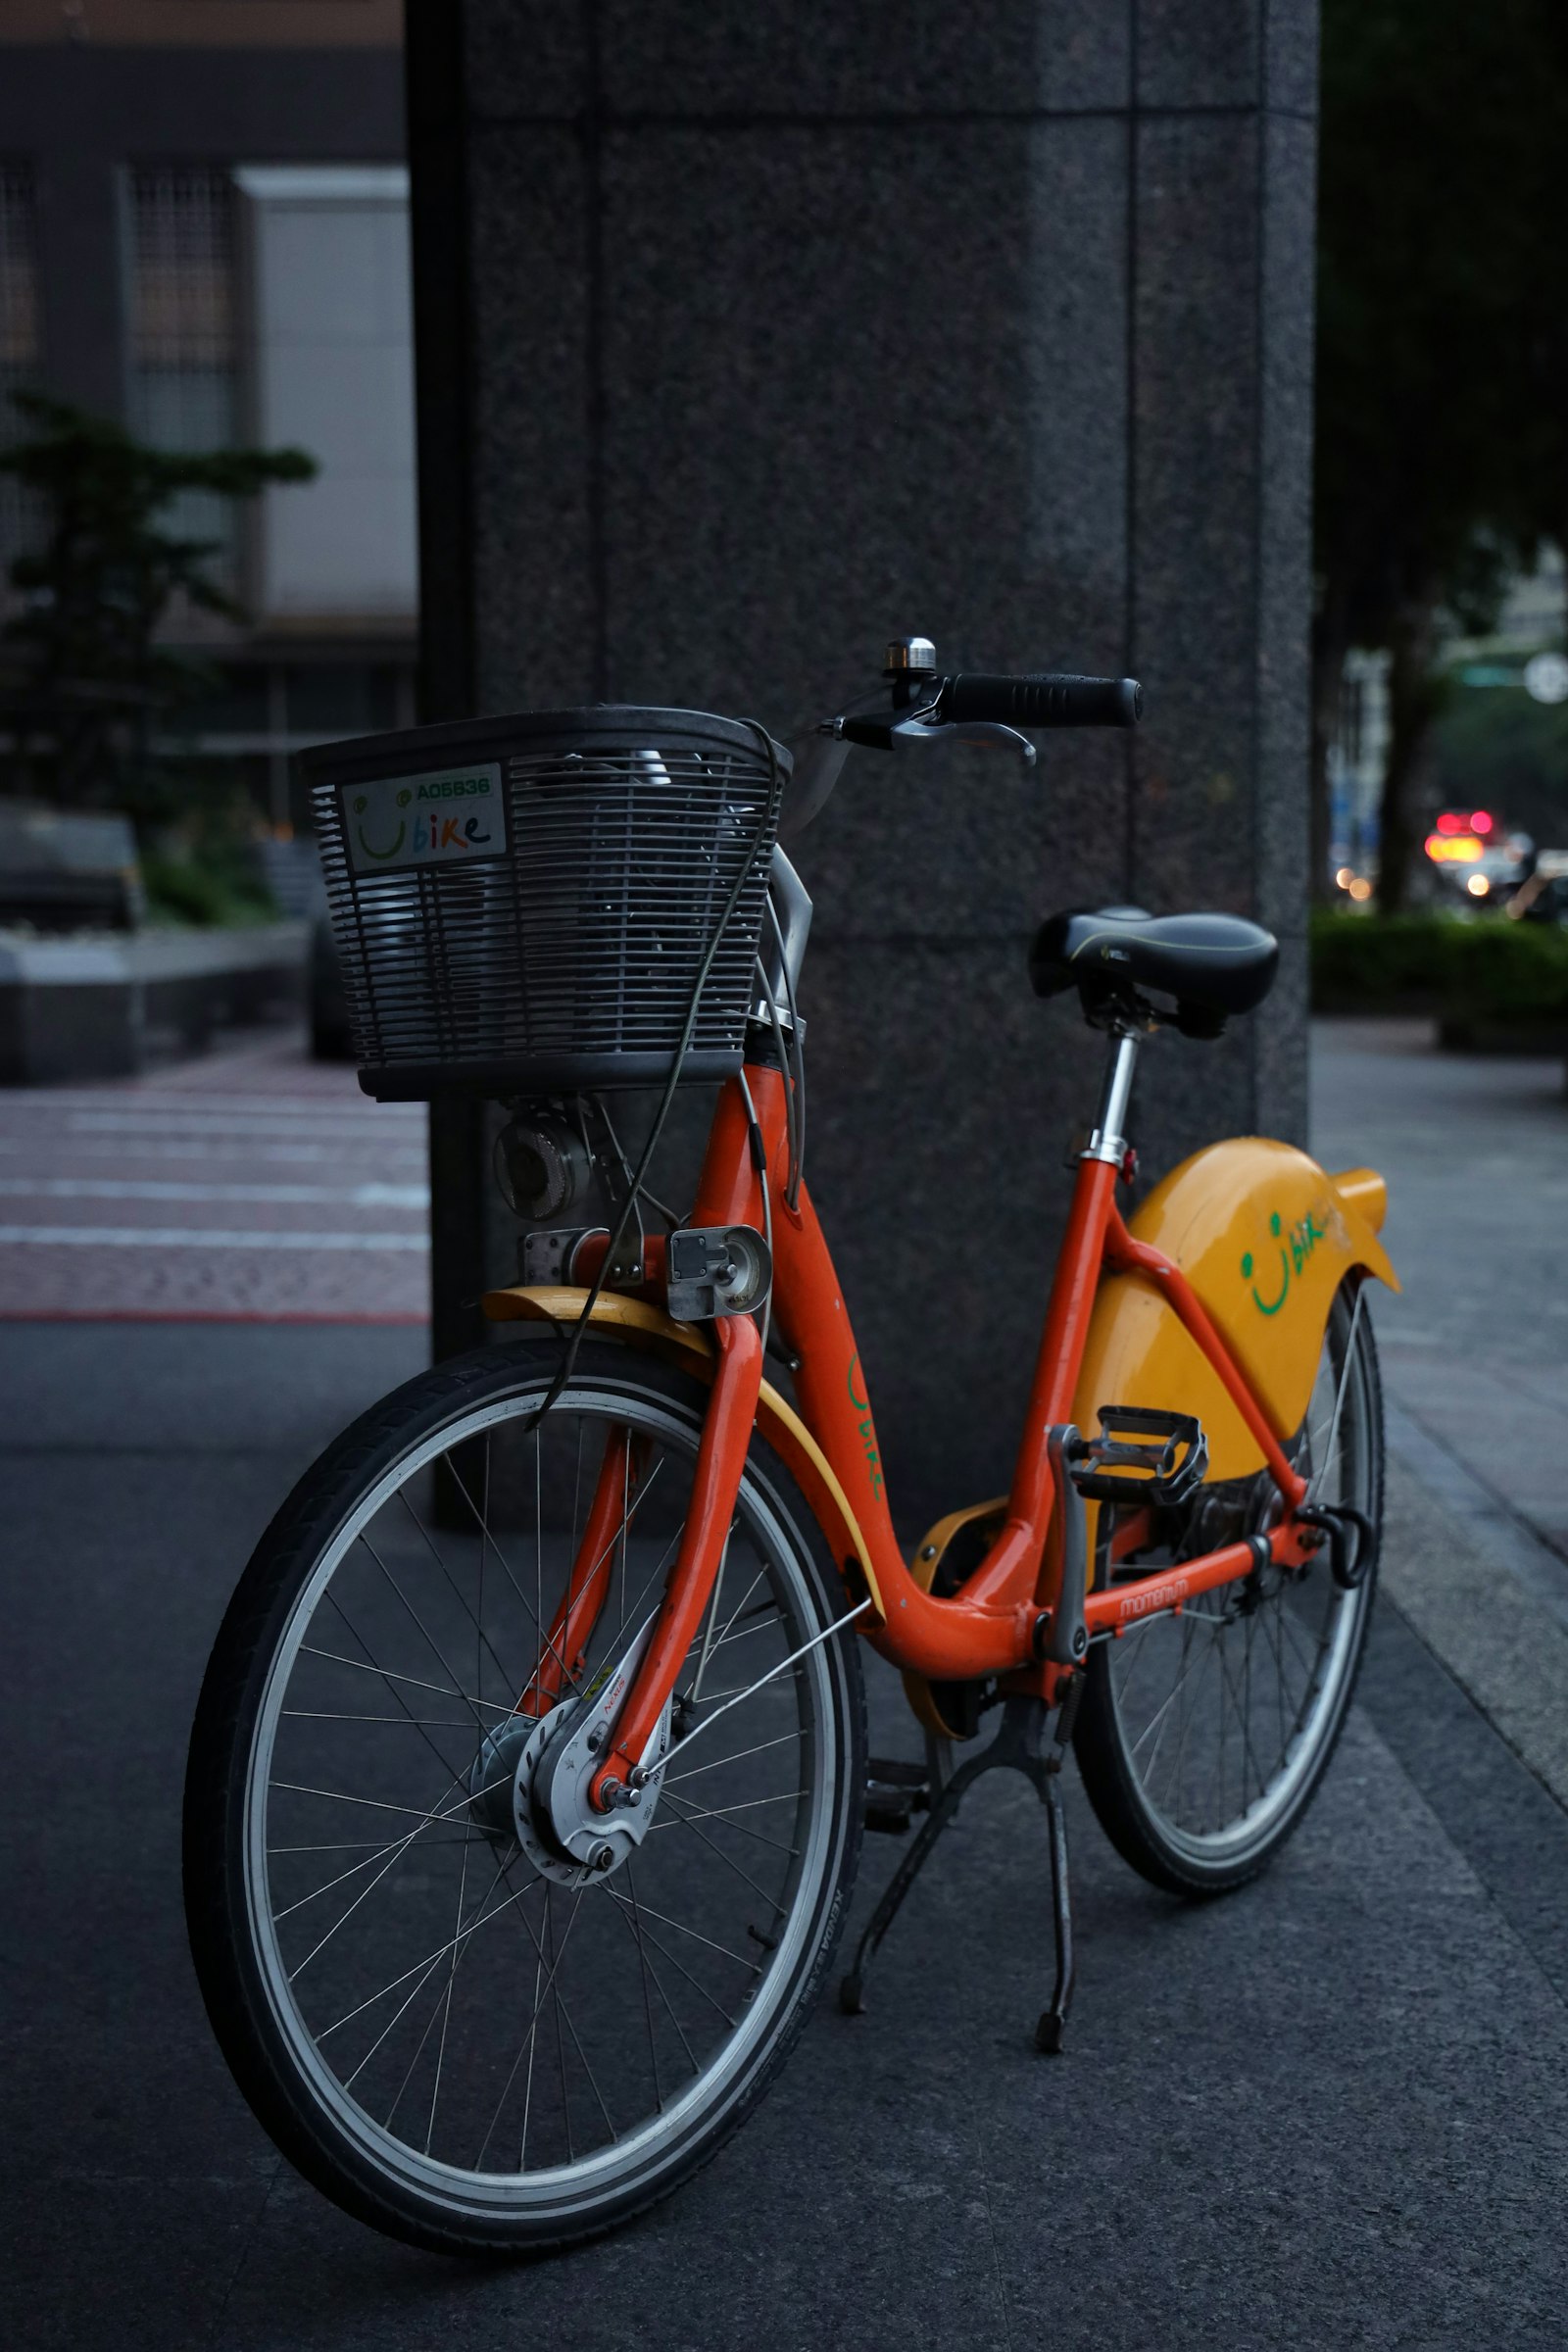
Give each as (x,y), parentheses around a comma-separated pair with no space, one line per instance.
(1142,1455)
(893,1793)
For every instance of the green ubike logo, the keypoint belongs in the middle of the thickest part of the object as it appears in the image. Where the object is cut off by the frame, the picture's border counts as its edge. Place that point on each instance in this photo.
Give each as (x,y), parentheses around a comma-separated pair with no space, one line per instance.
(1296,1247)
(862,1405)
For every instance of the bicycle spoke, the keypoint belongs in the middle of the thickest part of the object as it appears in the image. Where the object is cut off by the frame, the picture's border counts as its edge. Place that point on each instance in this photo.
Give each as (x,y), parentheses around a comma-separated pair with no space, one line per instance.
(642,1973)
(393,1845)
(711,1618)
(429,1638)
(666,1953)
(486,1537)
(452,1970)
(1175,1691)
(549,1959)
(426,1971)
(527,2093)
(1245,1727)
(390,1865)
(724,1812)
(400,2012)
(717,1762)
(360,1666)
(681,1928)
(355,1846)
(1217,1729)
(426,1963)
(771,1675)
(355,1634)
(561,2048)
(434,1722)
(635,1926)
(687,1820)
(482,1641)
(377,1804)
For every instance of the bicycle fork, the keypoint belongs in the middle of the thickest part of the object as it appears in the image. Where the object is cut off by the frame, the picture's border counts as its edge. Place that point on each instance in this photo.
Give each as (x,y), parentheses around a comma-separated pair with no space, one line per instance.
(715,1486)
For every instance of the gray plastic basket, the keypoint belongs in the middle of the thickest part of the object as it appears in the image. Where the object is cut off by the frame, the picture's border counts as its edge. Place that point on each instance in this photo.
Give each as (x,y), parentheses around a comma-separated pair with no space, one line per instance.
(522,905)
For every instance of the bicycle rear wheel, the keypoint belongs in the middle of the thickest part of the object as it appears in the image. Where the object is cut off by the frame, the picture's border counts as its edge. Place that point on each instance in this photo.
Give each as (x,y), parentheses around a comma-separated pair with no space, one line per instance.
(1203,1737)
(460,2034)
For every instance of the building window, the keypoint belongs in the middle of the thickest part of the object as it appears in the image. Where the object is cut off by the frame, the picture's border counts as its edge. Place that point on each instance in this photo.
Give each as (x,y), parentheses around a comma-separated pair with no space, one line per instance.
(20,342)
(184,344)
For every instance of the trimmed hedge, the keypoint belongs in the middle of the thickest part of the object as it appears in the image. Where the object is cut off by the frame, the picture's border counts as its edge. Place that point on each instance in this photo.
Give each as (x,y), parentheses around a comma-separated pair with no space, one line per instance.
(1490,971)
(203,891)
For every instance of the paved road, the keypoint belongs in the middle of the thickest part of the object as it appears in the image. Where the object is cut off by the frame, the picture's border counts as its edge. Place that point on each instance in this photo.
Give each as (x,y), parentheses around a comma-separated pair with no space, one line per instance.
(1330,2111)
(251,1183)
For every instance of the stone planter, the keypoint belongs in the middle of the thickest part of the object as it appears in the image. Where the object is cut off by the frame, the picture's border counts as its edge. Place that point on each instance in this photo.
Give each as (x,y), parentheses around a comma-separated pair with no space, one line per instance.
(106,1004)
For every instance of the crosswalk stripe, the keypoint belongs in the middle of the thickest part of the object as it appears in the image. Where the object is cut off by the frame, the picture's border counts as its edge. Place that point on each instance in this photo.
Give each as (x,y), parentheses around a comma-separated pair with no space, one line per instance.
(187,1237)
(204,1147)
(110,1187)
(356,1127)
(112,1101)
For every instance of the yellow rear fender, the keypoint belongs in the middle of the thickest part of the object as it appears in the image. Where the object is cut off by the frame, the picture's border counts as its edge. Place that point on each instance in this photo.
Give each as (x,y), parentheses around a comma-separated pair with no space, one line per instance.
(1265,1236)
(638,1323)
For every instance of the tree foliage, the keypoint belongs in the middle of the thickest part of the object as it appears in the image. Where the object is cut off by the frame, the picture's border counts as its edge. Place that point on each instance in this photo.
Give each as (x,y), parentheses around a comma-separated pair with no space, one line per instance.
(1443,366)
(86,672)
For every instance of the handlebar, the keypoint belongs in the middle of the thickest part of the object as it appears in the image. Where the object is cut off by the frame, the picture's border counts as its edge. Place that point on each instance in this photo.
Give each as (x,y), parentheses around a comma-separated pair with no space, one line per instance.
(1047,700)
(924,704)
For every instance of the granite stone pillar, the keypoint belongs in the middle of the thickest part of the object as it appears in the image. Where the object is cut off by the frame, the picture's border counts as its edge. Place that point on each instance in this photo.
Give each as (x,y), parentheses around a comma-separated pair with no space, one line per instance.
(750,336)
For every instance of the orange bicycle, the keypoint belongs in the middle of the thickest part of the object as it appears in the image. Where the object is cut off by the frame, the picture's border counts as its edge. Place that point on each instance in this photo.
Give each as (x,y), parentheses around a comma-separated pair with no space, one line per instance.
(528,1778)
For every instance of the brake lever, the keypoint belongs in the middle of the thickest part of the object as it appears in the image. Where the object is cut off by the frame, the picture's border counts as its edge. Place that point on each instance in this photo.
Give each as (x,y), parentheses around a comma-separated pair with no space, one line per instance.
(984,731)
(885,734)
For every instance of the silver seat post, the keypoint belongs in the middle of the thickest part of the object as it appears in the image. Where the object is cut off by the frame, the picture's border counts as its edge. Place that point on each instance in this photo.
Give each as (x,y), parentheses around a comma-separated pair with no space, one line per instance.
(1108,1138)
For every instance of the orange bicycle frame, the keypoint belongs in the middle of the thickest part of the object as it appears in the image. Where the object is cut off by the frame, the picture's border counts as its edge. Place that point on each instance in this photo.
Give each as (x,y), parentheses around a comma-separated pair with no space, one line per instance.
(997,1624)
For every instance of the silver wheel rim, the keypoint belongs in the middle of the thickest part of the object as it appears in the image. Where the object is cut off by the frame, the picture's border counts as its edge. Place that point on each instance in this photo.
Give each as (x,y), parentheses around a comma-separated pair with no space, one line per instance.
(603,2173)
(1223,1719)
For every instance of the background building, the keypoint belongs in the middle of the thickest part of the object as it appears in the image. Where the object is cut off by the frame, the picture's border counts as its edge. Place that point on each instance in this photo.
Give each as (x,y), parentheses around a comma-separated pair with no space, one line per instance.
(203,232)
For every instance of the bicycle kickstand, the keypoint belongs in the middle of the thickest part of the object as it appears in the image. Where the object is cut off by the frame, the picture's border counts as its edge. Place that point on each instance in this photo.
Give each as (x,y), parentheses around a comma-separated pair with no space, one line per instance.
(1018,1747)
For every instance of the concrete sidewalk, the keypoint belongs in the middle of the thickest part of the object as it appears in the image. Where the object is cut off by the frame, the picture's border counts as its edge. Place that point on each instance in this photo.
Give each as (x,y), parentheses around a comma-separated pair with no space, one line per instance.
(1474,1354)
(1330,2111)
(1475,1148)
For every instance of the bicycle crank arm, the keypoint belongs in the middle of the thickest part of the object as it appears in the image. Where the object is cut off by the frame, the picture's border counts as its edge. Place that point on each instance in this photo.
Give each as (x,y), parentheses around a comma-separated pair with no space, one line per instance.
(715,1484)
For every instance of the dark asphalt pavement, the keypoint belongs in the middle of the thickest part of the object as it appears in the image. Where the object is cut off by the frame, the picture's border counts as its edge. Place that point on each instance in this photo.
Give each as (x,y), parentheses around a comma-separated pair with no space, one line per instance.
(1329,2111)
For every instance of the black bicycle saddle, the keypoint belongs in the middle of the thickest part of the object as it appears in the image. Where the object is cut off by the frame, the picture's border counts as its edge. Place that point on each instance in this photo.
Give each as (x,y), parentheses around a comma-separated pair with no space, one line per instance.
(1211,964)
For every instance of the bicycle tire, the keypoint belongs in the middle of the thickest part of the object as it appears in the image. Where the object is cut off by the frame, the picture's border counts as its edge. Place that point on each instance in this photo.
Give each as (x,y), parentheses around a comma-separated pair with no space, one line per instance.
(247,1998)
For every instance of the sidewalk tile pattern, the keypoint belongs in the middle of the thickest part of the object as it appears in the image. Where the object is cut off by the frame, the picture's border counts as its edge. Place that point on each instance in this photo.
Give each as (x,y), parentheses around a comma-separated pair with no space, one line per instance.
(254,1185)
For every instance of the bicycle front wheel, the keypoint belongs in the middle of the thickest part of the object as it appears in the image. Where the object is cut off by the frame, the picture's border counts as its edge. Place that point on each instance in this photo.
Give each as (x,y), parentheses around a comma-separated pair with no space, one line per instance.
(1203,1737)
(460,2031)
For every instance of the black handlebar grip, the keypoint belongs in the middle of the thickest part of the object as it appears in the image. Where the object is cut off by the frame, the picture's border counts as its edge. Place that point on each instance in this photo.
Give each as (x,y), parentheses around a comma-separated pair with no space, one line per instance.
(1046,701)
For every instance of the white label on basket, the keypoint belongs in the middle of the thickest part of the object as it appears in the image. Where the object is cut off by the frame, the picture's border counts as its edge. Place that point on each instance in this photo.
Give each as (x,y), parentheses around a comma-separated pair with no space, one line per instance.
(443,818)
